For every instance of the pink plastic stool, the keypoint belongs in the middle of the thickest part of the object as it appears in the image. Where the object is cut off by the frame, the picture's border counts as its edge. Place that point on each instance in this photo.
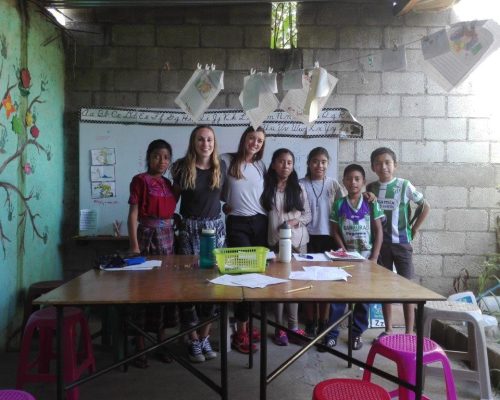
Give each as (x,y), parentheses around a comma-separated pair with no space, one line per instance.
(45,321)
(349,389)
(402,349)
(15,395)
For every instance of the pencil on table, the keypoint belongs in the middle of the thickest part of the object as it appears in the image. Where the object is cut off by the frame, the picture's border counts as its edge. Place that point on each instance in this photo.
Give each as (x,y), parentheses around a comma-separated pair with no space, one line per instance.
(300,288)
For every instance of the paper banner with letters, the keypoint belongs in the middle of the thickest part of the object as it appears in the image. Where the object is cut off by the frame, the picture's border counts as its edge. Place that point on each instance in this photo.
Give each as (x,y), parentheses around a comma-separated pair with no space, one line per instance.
(304,104)
(200,91)
(451,54)
(257,97)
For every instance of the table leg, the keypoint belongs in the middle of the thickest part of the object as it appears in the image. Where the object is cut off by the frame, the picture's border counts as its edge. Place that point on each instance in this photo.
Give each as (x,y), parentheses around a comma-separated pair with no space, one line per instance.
(349,334)
(263,351)
(223,352)
(59,347)
(250,330)
(420,351)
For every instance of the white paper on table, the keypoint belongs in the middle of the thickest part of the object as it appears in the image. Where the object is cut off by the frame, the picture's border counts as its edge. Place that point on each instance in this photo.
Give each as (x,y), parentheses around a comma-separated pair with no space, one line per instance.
(257,97)
(317,273)
(315,257)
(394,59)
(145,266)
(270,255)
(302,104)
(200,91)
(469,43)
(248,280)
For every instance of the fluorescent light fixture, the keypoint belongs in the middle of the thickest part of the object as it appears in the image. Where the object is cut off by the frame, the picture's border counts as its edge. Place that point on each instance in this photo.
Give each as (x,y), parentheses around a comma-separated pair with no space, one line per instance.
(60,18)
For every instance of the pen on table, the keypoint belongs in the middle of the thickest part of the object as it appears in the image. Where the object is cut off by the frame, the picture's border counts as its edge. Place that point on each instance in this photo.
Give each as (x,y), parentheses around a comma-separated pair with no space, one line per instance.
(300,288)
(306,256)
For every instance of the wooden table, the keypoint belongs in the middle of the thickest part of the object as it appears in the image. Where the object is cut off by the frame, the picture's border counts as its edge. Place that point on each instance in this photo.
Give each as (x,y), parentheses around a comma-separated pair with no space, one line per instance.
(180,280)
(370,283)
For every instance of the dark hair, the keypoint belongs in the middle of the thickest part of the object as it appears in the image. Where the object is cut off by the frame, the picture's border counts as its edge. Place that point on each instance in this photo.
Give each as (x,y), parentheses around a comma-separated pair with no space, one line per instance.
(293,192)
(239,157)
(354,167)
(317,151)
(380,151)
(157,145)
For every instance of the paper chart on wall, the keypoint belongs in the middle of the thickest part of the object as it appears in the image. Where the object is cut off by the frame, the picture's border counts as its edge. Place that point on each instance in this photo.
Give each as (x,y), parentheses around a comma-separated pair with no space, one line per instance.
(102,173)
(450,55)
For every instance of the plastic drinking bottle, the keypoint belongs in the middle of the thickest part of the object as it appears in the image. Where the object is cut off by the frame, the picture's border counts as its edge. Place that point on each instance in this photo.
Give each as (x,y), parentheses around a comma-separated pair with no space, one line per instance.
(207,247)
(285,243)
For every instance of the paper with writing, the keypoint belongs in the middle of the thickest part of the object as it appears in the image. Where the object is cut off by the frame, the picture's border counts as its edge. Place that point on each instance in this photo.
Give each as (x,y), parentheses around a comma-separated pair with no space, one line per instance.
(317,273)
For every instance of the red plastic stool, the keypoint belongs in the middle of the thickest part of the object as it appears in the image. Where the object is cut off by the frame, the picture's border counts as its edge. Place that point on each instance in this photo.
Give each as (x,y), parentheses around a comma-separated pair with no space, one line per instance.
(44,321)
(401,349)
(349,389)
(15,395)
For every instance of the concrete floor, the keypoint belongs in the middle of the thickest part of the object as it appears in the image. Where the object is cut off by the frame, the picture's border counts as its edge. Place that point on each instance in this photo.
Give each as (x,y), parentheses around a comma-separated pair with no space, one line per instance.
(172,381)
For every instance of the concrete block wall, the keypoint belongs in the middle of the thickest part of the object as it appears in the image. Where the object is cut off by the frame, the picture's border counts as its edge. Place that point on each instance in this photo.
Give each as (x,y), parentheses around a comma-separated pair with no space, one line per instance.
(448,144)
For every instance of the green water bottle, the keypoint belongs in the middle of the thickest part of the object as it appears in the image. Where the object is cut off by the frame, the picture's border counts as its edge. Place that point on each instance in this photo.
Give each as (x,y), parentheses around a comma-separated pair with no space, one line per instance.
(207,247)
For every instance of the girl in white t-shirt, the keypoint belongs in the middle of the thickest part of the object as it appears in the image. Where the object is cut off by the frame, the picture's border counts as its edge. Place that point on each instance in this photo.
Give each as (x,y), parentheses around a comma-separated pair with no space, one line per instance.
(322,191)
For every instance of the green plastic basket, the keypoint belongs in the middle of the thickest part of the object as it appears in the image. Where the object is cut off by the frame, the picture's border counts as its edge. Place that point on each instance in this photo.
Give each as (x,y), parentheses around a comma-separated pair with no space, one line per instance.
(238,260)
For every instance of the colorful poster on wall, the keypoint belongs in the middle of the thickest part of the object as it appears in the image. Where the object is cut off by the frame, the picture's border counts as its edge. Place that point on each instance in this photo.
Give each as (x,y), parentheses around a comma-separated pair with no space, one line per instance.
(102,173)
(104,156)
(103,190)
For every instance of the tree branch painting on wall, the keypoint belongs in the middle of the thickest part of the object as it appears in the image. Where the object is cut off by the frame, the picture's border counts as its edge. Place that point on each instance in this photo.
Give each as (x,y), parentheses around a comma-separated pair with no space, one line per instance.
(20,118)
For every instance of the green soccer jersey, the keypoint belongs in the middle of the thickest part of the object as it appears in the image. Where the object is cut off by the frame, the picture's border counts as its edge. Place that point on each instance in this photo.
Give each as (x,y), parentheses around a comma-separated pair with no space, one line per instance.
(394,199)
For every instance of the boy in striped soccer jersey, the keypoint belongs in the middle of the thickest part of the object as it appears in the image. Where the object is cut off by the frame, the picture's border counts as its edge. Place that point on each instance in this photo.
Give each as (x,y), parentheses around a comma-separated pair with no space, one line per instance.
(394,196)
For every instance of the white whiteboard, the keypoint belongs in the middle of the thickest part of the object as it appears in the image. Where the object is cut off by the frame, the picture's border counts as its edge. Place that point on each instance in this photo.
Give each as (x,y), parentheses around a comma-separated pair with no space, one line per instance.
(130,142)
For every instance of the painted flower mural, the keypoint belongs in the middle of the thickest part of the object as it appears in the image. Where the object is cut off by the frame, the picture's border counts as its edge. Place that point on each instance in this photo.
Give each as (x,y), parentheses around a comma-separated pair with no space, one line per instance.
(19,125)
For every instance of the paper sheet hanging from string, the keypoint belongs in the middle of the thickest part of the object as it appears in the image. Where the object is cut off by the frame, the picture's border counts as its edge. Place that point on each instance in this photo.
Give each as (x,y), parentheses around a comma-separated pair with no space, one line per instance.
(451,54)
(257,97)
(200,91)
(304,104)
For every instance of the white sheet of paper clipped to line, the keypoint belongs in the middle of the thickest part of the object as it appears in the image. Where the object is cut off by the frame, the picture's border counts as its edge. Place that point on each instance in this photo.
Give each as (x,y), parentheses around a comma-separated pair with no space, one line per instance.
(316,273)
(145,266)
(200,91)
(450,55)
(257,97)
(305,104)
(247,280)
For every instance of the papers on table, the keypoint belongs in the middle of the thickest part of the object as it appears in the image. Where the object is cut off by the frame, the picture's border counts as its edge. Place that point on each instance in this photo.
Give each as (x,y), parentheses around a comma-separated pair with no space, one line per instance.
(320,274)
(247,280)
(310,257)
(148,265)
(344,255)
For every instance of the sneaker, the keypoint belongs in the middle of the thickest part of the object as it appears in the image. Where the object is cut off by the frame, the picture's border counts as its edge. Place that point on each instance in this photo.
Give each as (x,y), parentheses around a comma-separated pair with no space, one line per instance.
(330,343)
(357,343)
(280,338)
(195,352)
(240,342)
(255,335)
(207,350)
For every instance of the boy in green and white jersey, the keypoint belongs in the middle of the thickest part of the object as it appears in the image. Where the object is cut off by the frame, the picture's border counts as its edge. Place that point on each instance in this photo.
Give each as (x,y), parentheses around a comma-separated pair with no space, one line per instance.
(394,196)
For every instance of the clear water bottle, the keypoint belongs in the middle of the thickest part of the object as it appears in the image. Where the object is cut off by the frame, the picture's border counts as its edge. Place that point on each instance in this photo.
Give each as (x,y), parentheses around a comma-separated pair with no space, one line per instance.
(207,247)
(285,243)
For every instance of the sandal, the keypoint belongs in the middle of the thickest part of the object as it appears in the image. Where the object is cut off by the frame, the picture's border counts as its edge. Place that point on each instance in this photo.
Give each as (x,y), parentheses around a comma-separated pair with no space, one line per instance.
(357,343)
(141,362)
(165,357)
